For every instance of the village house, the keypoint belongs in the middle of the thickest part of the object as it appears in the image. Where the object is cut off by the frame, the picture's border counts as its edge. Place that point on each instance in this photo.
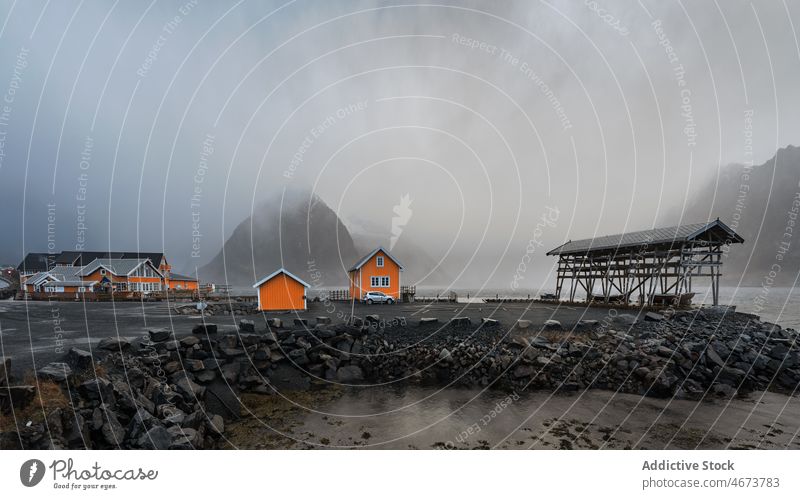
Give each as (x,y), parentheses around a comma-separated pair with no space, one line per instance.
(62,279)
(178,281)
(61,267)
(378,271)
(118,274)
(282,290)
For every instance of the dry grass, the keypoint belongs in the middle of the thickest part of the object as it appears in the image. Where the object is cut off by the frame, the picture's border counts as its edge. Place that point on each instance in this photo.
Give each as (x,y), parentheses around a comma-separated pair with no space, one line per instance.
(49,396)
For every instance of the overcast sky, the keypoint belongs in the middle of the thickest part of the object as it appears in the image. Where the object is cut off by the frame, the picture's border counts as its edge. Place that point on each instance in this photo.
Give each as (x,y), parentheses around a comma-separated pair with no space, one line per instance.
(152,120)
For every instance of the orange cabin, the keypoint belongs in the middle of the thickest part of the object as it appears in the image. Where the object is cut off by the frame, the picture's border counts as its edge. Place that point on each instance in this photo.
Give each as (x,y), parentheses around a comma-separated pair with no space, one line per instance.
(178,281)
(378,271)
(281,290)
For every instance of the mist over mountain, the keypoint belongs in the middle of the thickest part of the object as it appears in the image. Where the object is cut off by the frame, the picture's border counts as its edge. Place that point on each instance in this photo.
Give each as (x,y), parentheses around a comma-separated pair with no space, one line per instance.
(761,203)
(297,231)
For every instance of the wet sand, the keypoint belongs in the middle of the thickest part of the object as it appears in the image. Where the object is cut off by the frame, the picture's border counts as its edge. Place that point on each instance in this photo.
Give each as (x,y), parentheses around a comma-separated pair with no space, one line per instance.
(427,418)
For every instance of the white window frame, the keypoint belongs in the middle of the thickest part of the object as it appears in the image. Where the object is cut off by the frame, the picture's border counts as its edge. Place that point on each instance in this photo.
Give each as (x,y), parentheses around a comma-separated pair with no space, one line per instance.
(379,261)
(380,281)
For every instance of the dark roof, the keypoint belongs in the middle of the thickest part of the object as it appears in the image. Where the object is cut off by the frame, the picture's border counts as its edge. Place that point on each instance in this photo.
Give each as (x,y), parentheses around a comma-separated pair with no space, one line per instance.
(87,257)
(364,260)
(153,257)
(712,232)
(35,262)
(80,258)
(178,277)
(67,257)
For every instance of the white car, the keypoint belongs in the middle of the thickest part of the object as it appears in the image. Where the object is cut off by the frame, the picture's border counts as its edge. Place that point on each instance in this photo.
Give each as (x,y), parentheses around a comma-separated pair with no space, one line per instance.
(377,297)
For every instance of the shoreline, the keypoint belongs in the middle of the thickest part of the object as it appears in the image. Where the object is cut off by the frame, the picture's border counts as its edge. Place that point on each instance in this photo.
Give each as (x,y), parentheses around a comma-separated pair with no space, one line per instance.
(169,390)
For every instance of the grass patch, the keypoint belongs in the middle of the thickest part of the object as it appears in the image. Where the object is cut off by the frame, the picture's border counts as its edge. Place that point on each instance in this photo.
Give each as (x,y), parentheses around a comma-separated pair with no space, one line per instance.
(49,396)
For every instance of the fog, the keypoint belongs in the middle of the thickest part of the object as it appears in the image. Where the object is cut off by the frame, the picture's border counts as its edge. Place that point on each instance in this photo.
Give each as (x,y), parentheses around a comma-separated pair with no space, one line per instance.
(160,126)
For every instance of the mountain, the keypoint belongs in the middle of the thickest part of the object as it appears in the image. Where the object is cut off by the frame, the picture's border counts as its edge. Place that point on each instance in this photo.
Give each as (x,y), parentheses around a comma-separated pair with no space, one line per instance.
(301,234)
(761,204)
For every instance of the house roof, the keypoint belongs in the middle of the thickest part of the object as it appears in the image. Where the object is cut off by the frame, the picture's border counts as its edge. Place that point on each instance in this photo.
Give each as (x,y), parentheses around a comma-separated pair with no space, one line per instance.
(35,262)
(38,277)
(178,277)
(281,271)
(712,232)
(87,257)
(364,260)
(117,266)
(73,283)
(155,258)
(64,272)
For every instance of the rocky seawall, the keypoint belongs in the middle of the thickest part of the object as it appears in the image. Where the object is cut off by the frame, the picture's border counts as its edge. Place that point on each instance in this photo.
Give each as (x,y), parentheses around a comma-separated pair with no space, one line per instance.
(177,393)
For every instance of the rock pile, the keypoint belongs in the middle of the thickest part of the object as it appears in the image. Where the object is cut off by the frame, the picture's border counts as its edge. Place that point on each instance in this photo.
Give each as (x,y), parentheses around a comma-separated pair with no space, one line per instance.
(168,392)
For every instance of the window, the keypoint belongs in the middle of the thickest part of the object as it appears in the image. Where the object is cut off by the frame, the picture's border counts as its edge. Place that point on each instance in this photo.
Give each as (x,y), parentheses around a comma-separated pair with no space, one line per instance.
(379,281)
(379,261)
(102,271)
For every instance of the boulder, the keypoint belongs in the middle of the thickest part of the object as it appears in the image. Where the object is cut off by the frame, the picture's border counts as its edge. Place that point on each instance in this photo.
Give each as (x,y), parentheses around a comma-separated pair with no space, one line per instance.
(653,317)
(247,326)
(373,319)
(523,324)
(216,424)
(349,374)
(112,429)
(56,371)
(426,321)
(97,389)
(524,371)
(489,322)
(323,320)
(624,319)
(552,325)
(210,363)
(114,343)
(460,322)
(189,388)
(779,351)
(586,324)
(189,341)
(445,355)
(714,357)
(298,356)
(77,359)
(274,323)
(301,322)
(159,335)
(156,438)
(206,376)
